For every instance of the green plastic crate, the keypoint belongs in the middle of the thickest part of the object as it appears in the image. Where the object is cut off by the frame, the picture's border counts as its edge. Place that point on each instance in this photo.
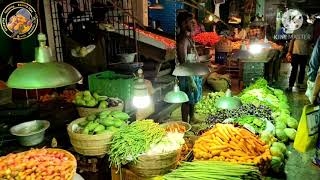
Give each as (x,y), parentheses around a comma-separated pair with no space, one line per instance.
(108,83)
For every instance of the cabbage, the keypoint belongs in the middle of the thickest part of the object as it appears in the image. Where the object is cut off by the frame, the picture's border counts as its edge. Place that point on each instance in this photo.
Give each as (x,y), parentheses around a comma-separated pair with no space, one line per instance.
(283,117)
(292,122)
(290,132)
(276,151)
(277,164)
(281,135)
(280,125)
(266,137)
(280,146)
(275,114)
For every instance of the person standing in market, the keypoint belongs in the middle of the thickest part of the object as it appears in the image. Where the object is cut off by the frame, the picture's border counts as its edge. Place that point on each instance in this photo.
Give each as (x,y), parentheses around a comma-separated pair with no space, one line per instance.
(187,53)
(298,53)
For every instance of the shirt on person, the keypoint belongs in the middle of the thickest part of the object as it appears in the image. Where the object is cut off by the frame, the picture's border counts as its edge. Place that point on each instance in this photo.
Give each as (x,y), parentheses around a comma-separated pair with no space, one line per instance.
(302,38)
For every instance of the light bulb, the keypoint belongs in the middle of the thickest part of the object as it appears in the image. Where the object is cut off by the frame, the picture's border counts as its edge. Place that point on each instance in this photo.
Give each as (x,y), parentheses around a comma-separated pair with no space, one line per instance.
(141,101)
(255,48)
(210,18)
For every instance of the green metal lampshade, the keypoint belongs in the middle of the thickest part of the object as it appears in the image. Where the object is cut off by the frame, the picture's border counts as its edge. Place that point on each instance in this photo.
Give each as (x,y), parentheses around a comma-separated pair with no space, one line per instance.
(45,72)
(191,69)
(43,75)
(176,96)
(228,102)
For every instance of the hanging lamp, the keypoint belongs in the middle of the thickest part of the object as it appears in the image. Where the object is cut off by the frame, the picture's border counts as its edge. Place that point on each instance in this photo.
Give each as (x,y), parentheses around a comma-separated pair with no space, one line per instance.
(156,6)
(191,69)
(228,102)
(242,53)
(45,72)
(141,97)
(176,96)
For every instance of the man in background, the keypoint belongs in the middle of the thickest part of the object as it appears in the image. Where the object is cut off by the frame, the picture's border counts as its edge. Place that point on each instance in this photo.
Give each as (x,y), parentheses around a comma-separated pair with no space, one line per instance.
(298,53)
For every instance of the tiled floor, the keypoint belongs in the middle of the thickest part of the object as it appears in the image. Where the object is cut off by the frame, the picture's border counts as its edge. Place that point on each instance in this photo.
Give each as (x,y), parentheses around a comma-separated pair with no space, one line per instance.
(299,166)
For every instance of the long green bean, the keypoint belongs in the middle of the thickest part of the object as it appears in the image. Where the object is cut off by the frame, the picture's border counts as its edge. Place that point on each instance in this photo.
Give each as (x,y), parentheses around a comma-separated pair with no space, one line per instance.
(132,140)
(207,170)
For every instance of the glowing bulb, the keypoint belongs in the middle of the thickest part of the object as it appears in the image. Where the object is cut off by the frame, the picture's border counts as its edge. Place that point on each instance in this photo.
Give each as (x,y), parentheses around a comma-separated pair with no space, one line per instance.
(141,101)
(255,48)
(210,18)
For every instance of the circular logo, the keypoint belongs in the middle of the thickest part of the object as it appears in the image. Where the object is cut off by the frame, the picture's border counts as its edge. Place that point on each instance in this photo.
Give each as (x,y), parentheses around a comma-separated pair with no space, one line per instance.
(19,20)
(292,20)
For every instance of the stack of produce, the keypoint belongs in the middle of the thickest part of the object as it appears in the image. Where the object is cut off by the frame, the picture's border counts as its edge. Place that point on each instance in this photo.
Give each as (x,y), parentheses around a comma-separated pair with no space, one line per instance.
(172,141)
(278,151)
(279,154)
(260,111)
(236,44)
(228,143)
(175,127)
(38,164)
(207,105)
(186,148)
(133,140)
(208,170)
(207,38)
(261,93)
(67,95)
(169,43)
(257,124)
(105,121)
(86,99)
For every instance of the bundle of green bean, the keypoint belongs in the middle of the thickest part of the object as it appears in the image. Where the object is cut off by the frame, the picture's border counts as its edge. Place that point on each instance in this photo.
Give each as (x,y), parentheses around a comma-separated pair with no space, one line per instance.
(214,170)
(132,140)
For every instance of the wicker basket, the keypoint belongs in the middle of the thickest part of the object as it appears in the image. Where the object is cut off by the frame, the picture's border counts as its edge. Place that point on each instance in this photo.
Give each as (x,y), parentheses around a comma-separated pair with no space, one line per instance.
(224,45)
(85,111)
(70,174)
(155,165)
(89,145)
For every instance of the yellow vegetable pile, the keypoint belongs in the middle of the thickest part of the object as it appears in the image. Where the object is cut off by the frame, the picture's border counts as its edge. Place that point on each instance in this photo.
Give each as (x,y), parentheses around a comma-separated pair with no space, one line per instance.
(228,143)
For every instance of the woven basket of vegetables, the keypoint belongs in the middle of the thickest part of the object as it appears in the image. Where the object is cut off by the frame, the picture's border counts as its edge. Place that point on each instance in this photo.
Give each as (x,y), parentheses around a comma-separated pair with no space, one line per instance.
(87,144)
(89,103)
(86,111)
(154,165)
(91,136)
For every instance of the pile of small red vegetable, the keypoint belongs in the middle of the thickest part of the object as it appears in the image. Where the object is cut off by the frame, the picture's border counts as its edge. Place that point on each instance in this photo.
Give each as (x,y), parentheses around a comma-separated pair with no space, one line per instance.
(38,164)
(207,38)
(169,43)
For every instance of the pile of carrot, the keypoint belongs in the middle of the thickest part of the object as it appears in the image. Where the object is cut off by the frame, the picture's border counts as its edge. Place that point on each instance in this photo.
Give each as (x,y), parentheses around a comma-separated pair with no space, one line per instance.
(186,149)
(176,127)
(228,143)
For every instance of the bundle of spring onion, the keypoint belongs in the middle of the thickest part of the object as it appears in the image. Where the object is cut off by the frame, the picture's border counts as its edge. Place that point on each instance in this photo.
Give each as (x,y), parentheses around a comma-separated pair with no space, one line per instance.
(132,140)
(208,170)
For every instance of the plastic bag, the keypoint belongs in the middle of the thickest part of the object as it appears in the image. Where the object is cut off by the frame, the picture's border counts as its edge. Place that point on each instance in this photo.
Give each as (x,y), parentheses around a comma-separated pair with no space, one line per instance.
(309,92)
(307,133)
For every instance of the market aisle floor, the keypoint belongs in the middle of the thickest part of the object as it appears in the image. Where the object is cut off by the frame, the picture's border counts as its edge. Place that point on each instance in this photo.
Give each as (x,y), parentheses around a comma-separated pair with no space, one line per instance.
(299,166)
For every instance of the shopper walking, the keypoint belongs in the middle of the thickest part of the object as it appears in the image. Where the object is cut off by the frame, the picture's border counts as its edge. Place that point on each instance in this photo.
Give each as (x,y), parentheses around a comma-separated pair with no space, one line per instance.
(298,54)
(187,53)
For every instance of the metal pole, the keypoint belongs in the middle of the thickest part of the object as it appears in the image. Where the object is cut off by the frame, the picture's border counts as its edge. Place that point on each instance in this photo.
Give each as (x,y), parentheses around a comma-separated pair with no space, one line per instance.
(50,33)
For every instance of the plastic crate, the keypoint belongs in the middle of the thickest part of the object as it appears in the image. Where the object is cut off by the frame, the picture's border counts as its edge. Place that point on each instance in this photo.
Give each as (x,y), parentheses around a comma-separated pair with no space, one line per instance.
(108,83)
